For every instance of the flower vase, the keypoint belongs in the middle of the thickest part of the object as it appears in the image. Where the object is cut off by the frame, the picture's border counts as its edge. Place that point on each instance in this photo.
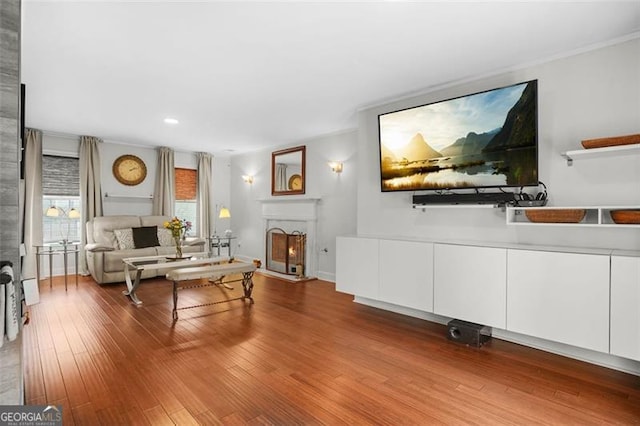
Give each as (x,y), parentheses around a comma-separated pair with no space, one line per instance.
(178,241)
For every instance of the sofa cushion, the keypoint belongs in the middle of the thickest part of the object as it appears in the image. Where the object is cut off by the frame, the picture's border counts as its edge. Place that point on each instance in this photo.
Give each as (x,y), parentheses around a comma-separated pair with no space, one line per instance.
(113,259)
(165,238)
(124,238)
(103,227)
(145,236)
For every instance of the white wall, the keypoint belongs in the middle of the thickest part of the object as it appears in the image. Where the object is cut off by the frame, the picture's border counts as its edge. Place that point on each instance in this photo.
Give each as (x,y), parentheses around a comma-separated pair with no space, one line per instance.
(589,95)
(337,207)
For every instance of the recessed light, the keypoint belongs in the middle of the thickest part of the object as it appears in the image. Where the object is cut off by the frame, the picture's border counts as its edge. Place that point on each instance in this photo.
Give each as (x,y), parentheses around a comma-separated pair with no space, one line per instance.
(171,120)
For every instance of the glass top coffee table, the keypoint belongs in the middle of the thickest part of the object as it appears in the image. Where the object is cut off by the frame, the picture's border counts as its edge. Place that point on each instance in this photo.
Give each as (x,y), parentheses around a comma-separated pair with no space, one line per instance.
(138,264)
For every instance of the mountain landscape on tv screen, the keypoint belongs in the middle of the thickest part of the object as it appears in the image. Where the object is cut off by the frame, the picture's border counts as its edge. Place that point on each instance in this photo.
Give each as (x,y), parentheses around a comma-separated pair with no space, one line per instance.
(503,156)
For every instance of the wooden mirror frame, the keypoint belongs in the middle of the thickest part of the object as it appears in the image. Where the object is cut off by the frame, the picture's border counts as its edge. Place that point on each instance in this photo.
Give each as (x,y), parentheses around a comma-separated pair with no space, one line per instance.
(290,178)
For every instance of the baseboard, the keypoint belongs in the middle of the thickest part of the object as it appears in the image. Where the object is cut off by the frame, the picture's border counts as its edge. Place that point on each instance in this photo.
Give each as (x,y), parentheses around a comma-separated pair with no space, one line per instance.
(586,355)
(327,276)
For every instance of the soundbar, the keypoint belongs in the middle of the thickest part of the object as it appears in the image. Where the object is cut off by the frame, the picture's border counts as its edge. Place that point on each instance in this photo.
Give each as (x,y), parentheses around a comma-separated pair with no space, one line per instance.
(477,198)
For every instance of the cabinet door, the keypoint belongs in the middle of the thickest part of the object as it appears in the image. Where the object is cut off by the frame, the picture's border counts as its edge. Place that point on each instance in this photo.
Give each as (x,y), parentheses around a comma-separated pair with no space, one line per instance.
(357,266)
(470,283)
(625,307)
(406,274)
(562,297)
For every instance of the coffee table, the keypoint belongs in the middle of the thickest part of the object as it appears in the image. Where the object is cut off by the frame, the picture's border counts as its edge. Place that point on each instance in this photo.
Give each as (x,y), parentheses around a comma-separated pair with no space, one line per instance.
(139,264)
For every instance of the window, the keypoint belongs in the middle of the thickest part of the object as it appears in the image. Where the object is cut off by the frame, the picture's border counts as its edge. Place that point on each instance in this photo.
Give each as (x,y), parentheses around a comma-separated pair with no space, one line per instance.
(60,189)
(186,196)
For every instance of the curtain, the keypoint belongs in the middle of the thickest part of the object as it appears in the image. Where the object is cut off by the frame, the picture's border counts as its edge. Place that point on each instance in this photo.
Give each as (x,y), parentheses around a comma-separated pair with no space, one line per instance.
(204,194)
(281,177)
(90,189)
(164,195)
(32,214)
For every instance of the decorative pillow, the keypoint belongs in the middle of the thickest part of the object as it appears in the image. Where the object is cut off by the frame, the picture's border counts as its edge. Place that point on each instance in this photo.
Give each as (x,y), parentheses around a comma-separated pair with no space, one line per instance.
(124,237)
(165,238)
(145,236)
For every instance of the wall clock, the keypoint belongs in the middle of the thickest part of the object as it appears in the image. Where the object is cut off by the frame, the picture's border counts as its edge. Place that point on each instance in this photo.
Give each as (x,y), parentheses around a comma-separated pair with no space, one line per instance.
(129,170)
(295,182)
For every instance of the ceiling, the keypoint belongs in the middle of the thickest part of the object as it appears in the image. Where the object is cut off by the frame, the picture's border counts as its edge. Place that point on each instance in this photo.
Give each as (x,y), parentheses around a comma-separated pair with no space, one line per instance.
(242,76)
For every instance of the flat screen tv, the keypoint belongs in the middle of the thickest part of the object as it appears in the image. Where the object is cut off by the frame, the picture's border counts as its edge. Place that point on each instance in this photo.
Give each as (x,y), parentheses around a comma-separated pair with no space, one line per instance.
(482,140)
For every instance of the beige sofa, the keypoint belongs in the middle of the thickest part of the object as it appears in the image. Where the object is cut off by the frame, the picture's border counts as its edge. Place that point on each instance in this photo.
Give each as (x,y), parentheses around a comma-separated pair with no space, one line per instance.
(104,254)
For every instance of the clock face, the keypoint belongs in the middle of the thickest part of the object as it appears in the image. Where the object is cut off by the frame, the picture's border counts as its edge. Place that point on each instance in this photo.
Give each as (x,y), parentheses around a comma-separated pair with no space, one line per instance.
(295,182)
(129,170)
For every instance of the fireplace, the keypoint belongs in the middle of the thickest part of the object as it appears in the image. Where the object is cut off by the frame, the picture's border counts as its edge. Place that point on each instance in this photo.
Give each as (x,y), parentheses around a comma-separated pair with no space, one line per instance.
(295,216)
(286,252)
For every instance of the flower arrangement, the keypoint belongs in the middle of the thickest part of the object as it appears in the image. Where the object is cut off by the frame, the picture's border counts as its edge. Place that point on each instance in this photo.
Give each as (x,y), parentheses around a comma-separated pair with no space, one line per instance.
(178,228)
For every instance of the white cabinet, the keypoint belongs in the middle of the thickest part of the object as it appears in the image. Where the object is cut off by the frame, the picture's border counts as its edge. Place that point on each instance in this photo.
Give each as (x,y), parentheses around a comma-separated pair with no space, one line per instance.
(562,297)
(625,307)
(470,283)
(406,274)
(357,266)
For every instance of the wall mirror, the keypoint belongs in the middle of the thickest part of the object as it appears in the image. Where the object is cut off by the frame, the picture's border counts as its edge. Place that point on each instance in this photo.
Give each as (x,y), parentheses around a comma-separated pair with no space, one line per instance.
(287,171)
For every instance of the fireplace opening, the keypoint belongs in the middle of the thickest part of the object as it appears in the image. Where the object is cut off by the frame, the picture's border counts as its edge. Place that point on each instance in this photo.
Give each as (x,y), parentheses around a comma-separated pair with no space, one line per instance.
(286,252)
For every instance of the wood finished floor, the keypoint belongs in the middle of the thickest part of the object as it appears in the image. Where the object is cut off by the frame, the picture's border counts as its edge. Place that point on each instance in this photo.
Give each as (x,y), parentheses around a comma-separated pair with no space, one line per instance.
(302,354)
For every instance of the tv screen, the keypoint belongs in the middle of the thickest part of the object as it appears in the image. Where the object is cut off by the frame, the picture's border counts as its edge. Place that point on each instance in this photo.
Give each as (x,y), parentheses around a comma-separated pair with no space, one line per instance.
(482,140)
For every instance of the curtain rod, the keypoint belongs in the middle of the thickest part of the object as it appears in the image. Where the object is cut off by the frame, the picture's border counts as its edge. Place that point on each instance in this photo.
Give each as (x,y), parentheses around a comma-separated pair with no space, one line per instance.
(77,138)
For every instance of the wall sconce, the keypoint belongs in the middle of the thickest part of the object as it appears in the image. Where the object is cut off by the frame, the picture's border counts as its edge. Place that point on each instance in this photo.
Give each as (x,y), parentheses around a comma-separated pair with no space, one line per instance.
(336,166)
(248,179)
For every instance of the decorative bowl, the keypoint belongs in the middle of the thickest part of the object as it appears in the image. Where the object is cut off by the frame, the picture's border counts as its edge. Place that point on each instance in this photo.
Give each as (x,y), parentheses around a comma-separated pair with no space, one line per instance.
(556,215)
(626,217)
(613,141)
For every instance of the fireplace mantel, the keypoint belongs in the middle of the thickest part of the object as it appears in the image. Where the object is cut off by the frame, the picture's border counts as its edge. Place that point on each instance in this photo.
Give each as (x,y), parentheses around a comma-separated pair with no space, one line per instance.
(289,200)
(290,208)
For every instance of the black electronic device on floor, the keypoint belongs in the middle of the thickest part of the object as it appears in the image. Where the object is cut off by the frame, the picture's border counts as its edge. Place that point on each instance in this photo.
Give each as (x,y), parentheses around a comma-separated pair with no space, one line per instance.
(468,333)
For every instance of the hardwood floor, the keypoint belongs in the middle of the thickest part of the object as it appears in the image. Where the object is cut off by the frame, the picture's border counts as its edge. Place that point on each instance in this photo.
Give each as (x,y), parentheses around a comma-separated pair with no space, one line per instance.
(302,354)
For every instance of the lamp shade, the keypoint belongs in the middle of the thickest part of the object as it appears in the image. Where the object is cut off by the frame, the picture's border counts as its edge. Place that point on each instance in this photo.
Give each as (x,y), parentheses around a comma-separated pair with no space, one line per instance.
(74,214)
(52,212)
(224,213)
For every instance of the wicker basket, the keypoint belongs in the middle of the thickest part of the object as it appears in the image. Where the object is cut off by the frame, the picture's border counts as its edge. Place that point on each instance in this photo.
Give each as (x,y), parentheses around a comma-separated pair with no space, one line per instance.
(627,217)
(555,216)
(617,140)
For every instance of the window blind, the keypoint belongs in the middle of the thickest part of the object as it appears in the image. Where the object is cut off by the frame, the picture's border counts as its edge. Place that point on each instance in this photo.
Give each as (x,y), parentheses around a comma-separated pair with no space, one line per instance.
(186,184)
(60,176)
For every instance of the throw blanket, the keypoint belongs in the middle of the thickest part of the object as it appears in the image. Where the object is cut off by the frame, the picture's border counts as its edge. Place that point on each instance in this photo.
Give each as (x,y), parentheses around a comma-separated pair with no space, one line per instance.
(8,304)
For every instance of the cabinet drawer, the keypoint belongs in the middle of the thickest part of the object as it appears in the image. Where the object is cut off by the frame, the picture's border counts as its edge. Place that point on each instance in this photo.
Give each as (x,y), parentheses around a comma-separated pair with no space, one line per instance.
(625,307)
(562,297)
(406,274)
(470,283)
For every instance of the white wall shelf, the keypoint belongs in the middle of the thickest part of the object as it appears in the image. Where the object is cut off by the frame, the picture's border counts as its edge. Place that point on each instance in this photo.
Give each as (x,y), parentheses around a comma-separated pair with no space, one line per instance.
(110,195)
(596,216)
(457,206)
(608,151)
